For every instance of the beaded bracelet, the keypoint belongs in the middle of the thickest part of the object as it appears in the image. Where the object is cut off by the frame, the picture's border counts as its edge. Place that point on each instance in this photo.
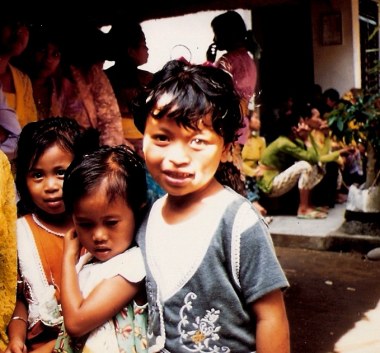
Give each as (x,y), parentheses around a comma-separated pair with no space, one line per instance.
(19,318)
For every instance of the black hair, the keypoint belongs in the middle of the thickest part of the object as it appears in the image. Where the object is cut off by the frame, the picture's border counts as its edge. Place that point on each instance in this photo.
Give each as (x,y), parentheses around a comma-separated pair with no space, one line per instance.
(287,122)
(195,91)
(331,93)
(231,31)
(124,170)
(34,139)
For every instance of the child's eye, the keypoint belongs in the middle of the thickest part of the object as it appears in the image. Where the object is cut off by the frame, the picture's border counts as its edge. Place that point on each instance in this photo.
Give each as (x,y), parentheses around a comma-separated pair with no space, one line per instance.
(111,222)
(160,140)
(36,175)
(61,172)
(198,142)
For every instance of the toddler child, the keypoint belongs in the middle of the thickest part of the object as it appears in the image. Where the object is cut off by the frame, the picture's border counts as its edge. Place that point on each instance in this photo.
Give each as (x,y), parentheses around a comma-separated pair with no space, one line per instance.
(103,299)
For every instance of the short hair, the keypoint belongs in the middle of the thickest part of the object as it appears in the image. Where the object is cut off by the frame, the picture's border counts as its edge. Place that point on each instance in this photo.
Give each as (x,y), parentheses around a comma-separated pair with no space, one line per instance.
(331,93)
(124,170)
(34,139)
(196,91)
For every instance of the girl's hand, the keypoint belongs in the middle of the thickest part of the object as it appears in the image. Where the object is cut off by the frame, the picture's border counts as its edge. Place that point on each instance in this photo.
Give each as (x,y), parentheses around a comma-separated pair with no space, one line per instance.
(16,346)
(72,245)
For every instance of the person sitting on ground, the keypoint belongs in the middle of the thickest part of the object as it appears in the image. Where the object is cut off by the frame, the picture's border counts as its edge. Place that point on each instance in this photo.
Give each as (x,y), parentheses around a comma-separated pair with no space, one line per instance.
(286,161)
(324,194)
(251,154)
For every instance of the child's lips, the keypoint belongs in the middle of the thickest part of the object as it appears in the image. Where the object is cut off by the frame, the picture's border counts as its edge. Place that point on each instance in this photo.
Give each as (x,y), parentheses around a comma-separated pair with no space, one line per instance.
(177,178)
(54,202)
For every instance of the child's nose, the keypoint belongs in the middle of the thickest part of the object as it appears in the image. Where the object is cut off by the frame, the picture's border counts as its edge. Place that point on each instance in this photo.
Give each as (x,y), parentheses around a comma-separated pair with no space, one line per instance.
(52,184)
(99,235)
(178,153)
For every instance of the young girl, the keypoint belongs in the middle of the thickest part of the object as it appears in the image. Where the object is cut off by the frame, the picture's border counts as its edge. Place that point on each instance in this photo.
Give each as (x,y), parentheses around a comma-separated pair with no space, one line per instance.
(214,283)
(102,293)
(45,150)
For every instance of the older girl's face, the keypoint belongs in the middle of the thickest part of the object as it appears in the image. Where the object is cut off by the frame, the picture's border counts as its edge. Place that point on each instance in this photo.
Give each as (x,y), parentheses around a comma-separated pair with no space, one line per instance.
(183,161)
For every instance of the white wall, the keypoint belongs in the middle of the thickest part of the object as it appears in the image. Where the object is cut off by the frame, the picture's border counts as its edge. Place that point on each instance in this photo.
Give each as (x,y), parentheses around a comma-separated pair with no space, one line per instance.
(169,38)
(337,66)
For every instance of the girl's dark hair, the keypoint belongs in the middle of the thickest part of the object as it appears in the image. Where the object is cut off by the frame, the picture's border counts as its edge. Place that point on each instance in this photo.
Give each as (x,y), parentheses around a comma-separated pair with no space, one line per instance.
(231,31)
(286,123)
(195,91)
(34,139)
(124,170)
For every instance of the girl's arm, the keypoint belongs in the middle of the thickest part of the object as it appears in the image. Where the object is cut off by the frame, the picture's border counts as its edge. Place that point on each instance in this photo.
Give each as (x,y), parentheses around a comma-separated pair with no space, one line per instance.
(17,328)
(272,328)
(82,315)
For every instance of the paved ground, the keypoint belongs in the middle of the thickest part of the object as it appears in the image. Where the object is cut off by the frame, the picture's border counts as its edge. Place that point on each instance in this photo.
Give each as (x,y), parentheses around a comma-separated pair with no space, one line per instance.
(334,300)
(320,234)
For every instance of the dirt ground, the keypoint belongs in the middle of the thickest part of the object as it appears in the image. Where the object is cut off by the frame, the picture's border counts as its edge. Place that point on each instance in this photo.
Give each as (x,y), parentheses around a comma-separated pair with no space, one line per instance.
(329,293)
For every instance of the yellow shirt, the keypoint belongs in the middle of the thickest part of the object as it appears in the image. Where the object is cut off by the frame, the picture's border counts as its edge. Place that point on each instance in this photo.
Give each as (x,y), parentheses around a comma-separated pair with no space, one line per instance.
(8,268)
(22,101)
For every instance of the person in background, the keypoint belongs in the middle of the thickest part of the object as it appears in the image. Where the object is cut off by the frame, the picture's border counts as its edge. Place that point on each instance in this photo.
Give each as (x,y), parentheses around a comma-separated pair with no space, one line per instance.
(103,297)
(290,161)
(213,278)
(287,162)
(8,248)
(242,51)
(54,94)
(16,85)
(251,154)
(10,128)
(45,150)
(129,51)
(86,50)
(324,193)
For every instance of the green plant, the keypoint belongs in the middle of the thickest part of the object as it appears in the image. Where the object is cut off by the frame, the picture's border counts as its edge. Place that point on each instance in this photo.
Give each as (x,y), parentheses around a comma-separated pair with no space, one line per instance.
(358,121)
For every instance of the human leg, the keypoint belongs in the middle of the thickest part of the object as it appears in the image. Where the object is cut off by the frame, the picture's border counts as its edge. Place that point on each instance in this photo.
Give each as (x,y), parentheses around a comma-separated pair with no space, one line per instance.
(307,176)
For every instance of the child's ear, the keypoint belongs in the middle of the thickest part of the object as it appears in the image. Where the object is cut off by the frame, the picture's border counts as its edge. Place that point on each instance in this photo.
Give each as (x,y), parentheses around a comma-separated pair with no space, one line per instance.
(226,153)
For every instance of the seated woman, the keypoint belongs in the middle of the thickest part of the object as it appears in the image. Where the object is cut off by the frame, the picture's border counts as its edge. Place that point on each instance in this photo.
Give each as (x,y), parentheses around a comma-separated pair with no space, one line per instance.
(251,154)
(287,161)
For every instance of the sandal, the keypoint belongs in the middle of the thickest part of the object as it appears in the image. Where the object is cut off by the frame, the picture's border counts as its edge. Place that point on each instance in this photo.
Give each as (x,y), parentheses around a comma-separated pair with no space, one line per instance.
(312,215)
(324,209)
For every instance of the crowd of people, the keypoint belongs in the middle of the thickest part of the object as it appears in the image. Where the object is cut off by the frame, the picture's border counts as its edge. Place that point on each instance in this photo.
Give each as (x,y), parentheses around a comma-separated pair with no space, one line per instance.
(134,204)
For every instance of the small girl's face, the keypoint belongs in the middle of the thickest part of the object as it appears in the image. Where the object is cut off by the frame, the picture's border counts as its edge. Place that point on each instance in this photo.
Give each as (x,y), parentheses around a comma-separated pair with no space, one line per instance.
(45,179)
(104,228)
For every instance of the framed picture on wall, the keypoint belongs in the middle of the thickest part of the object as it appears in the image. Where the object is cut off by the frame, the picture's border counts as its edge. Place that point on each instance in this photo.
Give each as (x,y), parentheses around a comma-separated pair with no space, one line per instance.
(331,28)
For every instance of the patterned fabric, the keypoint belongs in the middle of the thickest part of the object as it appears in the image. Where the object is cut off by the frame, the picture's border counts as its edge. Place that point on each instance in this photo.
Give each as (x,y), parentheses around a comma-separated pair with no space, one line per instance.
(205,310)
(281,154)
(8,255)
(101,108)
(40,258)
(304,173)
(127,331)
